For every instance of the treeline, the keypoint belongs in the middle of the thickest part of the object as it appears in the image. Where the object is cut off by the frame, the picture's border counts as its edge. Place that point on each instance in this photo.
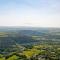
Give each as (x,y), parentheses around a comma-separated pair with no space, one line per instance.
(37,52)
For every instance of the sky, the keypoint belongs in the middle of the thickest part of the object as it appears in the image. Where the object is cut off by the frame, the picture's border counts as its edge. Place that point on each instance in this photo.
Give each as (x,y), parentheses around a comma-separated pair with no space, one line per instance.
(34,13)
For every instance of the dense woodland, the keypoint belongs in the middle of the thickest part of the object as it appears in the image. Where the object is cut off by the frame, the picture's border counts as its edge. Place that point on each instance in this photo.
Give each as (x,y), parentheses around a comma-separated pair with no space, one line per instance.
(30,44)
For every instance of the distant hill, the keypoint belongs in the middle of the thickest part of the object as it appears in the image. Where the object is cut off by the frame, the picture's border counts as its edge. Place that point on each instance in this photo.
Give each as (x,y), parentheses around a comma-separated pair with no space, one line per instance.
(10,36)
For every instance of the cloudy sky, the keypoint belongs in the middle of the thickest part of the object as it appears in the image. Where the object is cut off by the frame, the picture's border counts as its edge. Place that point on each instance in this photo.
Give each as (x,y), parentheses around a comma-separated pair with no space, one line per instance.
(35,13)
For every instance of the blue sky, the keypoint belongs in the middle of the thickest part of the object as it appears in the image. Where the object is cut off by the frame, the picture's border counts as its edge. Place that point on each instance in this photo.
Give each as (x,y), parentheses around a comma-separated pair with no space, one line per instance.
(36,13)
